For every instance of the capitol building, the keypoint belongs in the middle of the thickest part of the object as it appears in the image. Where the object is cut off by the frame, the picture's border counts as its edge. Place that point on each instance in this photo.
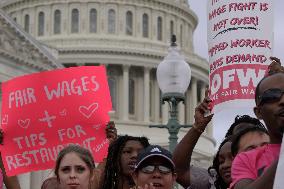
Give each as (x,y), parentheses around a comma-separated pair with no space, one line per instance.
(129,37)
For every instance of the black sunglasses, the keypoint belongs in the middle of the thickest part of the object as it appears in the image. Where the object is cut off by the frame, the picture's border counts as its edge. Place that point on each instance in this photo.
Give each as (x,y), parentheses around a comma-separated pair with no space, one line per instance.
(149,169)
(270,95)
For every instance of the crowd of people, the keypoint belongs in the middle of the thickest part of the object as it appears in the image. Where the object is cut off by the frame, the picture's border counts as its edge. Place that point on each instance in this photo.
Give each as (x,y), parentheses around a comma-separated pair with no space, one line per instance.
(247,158)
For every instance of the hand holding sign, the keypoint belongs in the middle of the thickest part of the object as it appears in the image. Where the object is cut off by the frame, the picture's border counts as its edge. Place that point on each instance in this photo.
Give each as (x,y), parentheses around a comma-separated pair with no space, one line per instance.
(111,132)
(52,114)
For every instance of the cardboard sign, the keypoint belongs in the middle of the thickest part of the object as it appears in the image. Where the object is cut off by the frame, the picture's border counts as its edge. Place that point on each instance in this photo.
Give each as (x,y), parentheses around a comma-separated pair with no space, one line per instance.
(240,38)
(44,112)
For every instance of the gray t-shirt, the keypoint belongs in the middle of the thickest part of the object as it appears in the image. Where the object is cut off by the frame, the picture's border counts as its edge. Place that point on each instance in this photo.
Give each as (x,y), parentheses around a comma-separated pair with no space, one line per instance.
(199,178)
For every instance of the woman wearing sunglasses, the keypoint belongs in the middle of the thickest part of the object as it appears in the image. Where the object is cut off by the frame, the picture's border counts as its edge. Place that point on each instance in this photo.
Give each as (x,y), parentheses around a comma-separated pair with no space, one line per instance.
(154,169)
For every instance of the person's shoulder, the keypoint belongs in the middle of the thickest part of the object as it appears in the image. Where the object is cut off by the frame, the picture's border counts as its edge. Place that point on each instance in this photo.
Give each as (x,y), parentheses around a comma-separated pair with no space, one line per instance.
(199,178)
(199,172)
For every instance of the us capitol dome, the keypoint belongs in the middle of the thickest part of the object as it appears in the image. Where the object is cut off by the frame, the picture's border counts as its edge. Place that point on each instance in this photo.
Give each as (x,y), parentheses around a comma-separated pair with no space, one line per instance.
(129,37)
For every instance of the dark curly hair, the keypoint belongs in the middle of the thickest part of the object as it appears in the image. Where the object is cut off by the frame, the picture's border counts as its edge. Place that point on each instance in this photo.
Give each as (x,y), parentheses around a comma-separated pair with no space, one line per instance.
(219,183)
(243,119)
(113,170)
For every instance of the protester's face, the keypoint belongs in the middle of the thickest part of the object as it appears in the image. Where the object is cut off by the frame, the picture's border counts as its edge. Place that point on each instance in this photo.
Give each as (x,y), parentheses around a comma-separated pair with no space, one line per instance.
(225,158)
(73,172)
(272,112)
(159,179)
(129,155)
(252,140)
(241,126)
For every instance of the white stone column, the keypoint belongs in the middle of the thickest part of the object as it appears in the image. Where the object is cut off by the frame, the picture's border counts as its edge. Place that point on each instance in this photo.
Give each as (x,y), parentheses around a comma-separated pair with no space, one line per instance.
(36,179)
(101,19)
(203,89)
(120,24)
(125,99)
(25,180)
(84,19)
(65,20)
(157,102)
(181,113)
(209,129)
(193,99)
(48,17)
(187,106)
(33,21)
(146,94)
(165,113)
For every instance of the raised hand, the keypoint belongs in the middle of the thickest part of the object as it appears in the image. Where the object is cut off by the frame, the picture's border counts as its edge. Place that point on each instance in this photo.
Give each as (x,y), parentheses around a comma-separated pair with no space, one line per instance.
(275,66)
(201,120)
(111,132)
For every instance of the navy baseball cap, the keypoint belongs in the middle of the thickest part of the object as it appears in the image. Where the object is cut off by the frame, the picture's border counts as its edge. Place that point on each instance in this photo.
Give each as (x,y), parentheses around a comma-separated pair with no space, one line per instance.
(154,150)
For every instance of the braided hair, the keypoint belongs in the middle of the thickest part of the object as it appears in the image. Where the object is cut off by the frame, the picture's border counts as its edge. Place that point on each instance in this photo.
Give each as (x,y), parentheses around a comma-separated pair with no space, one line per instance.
(113,170)
(243,119)
(219,183)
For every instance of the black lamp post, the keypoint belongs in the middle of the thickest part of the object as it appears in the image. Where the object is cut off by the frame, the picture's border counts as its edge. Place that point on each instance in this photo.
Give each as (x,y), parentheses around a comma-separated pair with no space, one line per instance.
(173,75)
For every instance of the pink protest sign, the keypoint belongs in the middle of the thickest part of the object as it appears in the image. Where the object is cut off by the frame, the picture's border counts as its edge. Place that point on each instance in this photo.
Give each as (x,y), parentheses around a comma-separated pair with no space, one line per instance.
(43,112)
(240,41)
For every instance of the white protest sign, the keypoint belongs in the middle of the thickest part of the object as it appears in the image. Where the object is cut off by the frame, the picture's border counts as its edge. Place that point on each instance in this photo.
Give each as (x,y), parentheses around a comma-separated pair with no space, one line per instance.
(240,38)
(279,181)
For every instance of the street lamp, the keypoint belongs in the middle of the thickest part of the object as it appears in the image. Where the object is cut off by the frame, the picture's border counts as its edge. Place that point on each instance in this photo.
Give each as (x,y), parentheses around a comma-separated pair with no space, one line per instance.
(173,75)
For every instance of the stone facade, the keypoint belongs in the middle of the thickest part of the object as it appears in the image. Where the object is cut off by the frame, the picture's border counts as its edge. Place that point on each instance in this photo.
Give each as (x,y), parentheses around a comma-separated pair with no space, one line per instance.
(129,37)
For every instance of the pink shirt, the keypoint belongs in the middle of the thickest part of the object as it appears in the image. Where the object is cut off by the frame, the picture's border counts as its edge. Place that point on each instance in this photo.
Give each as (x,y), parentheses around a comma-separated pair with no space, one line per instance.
(251,164)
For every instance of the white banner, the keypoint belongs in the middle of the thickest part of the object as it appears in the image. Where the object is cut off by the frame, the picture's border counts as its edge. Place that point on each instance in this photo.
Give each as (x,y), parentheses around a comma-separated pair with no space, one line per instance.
(240,42)
(279,181)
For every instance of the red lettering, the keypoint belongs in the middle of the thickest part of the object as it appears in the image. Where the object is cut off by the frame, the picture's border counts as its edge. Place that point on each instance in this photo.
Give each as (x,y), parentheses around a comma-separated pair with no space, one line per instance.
(217,12)
(221,24)
(219,47)
(244,21)
(252,43)
(214,1)
(263,6)
(216,64)
(243,77)
(243,58)
(242,6)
